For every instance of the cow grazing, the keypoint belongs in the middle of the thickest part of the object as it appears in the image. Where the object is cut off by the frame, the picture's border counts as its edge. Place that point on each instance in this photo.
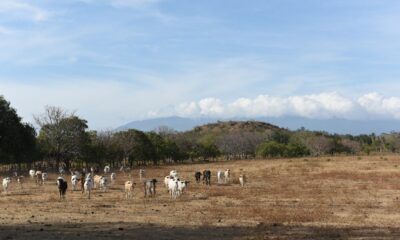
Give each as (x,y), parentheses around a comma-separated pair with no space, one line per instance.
(197,176)
(62,187)
(6,184)
(150,188)
(242,179)
(129,186)
(207,177)
(113,178)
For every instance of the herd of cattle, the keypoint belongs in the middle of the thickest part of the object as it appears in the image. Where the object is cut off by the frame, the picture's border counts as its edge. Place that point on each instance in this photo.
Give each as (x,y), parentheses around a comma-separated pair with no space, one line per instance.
(88,180)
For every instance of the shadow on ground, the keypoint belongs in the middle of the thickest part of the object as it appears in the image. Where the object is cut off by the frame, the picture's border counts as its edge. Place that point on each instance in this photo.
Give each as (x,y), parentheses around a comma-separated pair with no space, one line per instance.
(150,231)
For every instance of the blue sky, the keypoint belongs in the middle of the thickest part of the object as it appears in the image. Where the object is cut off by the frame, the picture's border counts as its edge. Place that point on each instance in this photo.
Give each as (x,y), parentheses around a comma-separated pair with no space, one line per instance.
(114,61)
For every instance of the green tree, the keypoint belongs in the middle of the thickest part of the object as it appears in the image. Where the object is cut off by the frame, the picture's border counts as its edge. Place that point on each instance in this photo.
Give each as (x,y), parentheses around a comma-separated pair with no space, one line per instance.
(17,139)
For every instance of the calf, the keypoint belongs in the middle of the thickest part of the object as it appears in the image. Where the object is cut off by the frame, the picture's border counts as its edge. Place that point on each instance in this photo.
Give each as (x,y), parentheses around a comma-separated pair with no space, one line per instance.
(6,184)
(129,186)
(150,188)
(207,177)
(197,176)
(62,187)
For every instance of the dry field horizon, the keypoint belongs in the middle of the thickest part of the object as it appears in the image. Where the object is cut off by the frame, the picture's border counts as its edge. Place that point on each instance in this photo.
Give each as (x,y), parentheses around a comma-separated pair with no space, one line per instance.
(355,197)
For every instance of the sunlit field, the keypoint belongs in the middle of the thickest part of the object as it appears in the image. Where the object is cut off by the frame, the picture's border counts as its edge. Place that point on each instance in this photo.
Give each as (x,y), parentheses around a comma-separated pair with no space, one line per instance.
(303,198)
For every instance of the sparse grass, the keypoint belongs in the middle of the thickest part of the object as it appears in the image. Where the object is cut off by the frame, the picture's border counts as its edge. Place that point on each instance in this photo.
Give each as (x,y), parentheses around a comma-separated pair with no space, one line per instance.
(334,192)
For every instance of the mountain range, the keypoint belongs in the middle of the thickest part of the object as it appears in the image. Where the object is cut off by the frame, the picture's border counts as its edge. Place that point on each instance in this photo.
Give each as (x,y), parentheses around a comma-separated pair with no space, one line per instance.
(333,125)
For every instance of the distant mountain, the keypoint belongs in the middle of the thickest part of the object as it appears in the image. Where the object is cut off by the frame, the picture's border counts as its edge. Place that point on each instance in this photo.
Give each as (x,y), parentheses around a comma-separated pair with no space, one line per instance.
(334,125)
(177,123)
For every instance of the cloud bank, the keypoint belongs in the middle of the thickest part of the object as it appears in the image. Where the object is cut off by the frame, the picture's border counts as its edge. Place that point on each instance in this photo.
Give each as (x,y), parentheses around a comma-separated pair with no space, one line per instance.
(317,106)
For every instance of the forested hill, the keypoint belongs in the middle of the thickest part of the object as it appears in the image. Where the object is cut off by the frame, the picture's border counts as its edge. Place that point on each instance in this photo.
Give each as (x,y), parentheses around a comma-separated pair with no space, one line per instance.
(221,127)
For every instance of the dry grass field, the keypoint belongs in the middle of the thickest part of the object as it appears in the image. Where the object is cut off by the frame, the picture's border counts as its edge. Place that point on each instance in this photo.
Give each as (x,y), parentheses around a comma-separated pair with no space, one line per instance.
(305,198)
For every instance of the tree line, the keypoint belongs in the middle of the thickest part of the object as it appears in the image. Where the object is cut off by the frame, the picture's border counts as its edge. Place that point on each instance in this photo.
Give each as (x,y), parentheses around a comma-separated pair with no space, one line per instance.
(63,139)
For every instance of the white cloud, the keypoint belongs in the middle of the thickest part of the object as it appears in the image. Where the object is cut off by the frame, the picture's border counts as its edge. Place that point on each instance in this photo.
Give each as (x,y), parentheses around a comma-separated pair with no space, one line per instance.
(376,104)
(323,105)
(211,106)
(23,10)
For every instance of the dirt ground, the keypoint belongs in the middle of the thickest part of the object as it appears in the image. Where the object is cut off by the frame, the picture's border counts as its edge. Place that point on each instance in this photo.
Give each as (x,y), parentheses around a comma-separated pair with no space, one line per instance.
(304,198)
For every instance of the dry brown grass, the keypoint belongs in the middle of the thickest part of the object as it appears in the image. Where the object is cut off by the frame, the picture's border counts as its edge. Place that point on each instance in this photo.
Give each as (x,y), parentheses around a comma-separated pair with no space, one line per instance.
(317,198)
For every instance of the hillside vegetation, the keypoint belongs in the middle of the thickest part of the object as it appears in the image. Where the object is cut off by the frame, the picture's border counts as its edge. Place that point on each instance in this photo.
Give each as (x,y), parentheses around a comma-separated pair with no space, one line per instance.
(64,140)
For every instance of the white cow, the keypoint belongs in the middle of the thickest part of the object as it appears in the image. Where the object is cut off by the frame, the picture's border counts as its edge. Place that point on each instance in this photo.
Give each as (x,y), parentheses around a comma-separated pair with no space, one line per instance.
(74,181)
(220,177)
(103,184)
(182,185)
(88,185)
(44,177)
(173,174)
(129,186)
(32,173)
(227,175)
(242,179)
(173,188)
(6,184)
(113,177)
(107,169)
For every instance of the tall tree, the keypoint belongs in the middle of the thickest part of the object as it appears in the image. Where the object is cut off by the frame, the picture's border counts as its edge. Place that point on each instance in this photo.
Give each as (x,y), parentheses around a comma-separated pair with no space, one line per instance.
(62,135)
(17,139)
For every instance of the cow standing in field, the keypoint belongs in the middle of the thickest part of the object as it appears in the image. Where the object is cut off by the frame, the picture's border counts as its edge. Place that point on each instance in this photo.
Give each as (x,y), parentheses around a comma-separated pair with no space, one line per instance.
(62,187)
(220,177)
(88,185)
(44,177)
(197,176)
(39,178)
(32,173)
(227,175)
(141,174)
(150,188)
(207,177)
(6,184)
(242,179)
(129,186)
